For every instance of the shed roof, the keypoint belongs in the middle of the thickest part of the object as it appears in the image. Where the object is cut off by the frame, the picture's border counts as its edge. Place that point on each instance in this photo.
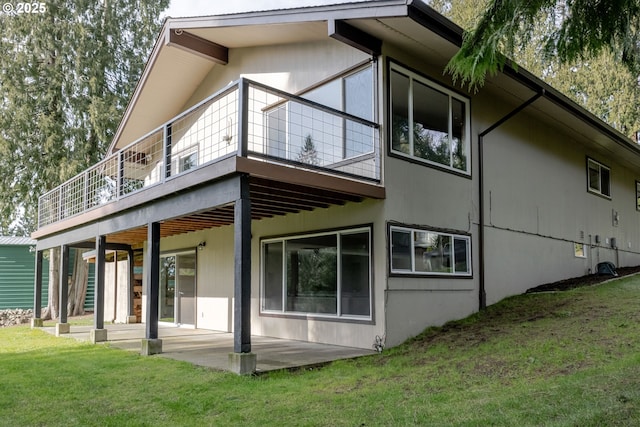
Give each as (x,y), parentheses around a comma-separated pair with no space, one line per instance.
(16,241)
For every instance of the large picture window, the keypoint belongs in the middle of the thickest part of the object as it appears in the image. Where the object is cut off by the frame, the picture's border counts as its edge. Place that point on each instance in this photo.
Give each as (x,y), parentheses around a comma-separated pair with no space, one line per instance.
(598,178)
(428,122)
(326,274)
(415,251)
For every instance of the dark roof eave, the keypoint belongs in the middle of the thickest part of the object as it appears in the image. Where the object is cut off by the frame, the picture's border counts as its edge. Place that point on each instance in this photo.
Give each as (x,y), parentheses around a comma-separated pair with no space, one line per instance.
(428,17)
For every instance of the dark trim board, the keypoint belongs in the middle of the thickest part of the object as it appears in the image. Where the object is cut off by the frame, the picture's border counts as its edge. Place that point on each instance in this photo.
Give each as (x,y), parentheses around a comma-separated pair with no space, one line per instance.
(198,46)
(354,37)
(173,206)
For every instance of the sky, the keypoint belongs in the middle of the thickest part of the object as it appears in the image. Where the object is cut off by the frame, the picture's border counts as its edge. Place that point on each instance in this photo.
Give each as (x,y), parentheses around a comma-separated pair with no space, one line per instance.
(179,8)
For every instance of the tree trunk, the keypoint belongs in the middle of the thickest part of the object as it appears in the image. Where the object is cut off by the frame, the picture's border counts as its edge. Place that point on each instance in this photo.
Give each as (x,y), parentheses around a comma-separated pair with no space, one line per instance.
(78,288)
(51,311)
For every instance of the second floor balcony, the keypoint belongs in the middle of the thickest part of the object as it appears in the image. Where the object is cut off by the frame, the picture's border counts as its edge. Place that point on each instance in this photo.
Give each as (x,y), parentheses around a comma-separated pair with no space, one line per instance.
(246,120)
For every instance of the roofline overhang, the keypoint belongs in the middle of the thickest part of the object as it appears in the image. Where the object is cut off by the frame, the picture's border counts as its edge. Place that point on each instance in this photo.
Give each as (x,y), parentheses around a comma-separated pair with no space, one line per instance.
(537,85)
(342,12)
(450,31)
(416,10)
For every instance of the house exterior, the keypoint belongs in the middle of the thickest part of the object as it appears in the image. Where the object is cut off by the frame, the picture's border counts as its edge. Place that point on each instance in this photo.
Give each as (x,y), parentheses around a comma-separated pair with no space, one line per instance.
(312,174)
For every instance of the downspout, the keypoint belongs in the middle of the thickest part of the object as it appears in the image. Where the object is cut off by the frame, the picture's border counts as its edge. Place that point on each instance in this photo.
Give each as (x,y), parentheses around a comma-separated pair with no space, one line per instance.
(482,291)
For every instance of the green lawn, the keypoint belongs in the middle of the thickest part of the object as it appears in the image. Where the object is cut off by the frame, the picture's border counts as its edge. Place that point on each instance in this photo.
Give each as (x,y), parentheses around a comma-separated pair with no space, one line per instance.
(563,359)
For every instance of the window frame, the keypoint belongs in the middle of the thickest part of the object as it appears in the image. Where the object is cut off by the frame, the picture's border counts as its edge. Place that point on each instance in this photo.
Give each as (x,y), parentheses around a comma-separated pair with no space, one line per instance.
(339,315)
(598,190)
(580,247)
(637,195)
(179,158)
(412,75)
(339,80)
(413,272)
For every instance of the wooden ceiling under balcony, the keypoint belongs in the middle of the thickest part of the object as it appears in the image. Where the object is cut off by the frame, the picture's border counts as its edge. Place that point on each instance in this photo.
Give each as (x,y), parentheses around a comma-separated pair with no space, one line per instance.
(268,199)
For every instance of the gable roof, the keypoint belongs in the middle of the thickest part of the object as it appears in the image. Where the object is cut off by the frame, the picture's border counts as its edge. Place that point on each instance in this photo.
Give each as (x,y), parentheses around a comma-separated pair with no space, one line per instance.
(176,68)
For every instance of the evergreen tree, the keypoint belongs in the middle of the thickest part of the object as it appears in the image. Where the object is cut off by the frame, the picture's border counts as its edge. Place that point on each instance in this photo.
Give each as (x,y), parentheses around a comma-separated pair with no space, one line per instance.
(308,153)
(598,83)
(67,71)
(580,30)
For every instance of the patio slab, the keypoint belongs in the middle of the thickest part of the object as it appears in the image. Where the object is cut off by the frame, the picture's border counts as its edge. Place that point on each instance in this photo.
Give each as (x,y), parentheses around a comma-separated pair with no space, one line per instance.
(211,348)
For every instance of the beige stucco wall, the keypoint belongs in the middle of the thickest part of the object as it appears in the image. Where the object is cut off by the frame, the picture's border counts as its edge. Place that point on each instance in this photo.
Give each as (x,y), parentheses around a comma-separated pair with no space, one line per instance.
(426,197)
(421,196)
(291,67)
(538,205)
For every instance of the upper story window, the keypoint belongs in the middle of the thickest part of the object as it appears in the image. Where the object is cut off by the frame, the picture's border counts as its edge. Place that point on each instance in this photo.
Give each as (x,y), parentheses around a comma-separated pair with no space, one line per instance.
(429,122)
(598,178)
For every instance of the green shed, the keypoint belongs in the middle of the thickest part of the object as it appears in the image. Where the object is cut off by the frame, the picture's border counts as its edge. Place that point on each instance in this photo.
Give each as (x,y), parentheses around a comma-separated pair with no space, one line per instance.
(17,272)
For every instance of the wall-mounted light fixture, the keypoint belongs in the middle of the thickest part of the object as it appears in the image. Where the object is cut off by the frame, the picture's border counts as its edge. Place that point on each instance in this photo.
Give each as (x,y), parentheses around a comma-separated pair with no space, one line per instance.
(201,245)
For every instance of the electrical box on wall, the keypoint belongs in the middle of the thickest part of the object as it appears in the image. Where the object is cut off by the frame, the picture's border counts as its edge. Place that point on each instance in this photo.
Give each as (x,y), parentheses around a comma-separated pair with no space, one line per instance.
(597,237)
(614,243)
(615,218)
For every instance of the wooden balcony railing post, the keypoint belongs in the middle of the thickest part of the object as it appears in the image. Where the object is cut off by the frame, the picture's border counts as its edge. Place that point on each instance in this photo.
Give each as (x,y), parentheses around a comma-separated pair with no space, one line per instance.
(166,151)
(243,117)
(120,184)
(85,192)
(60,203)
(40,211)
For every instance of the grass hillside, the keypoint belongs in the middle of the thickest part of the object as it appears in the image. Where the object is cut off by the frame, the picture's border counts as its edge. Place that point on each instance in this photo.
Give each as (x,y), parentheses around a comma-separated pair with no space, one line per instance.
(548,359)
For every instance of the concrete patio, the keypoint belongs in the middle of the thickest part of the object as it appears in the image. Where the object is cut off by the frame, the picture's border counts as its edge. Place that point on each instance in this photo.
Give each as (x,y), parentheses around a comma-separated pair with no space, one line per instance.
(211,349)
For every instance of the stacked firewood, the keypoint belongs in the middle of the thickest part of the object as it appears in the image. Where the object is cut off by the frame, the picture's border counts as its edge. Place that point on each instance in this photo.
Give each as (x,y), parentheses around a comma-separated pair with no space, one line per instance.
(15,316)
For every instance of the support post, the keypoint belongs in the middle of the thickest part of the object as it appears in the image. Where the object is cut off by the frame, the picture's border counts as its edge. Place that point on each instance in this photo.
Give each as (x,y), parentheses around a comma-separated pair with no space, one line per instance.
(98,333)
(242,361)
(36,321)
(151,344)
(62,327)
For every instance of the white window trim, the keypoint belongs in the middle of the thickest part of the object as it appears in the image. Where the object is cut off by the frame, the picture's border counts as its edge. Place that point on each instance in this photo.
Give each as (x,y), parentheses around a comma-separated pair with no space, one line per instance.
(576,245)
(601,166)
(338,315)
(187,152)
(427,82)
(413,271)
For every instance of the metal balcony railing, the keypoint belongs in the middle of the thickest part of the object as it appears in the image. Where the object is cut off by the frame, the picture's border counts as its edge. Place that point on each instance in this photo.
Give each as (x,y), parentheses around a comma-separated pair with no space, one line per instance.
(246,119)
